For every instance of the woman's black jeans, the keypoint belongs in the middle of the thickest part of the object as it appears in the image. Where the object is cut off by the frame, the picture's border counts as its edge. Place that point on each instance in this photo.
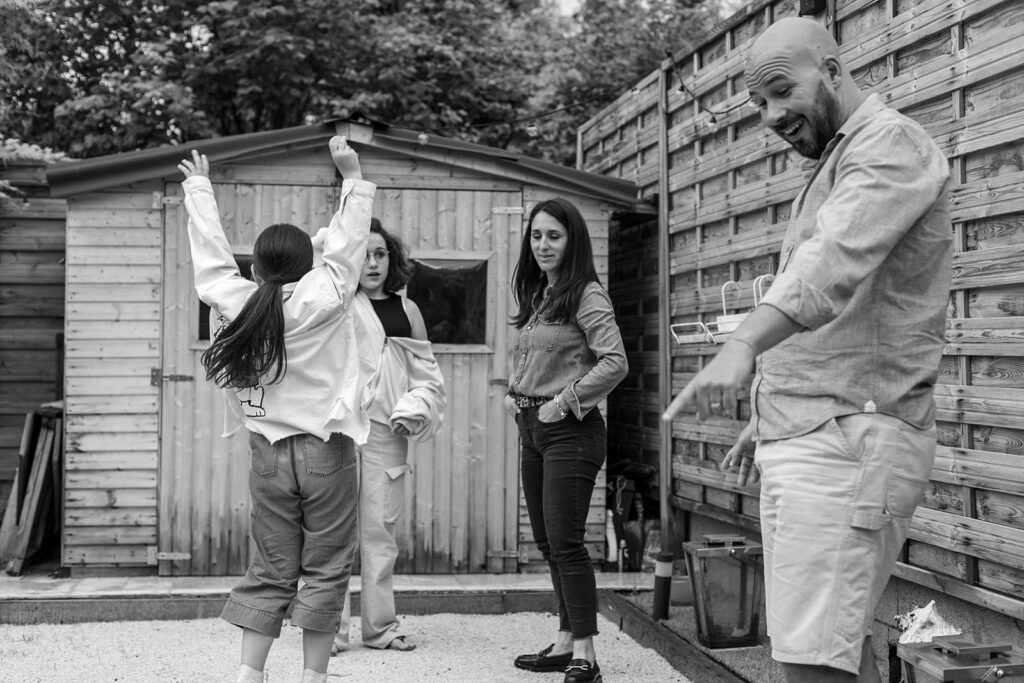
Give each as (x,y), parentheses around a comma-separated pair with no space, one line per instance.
(559,464)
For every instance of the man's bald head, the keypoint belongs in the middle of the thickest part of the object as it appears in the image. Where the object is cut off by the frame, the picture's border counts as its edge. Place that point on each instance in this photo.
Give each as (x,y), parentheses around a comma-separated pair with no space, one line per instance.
(799,85)
(801,39)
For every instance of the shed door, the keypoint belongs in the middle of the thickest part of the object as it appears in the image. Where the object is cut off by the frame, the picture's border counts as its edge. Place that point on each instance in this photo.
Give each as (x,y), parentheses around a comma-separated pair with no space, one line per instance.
(203,486)
(460,512)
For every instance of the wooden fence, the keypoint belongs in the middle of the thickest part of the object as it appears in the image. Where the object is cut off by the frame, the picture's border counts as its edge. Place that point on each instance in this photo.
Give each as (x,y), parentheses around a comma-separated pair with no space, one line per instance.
(724,187)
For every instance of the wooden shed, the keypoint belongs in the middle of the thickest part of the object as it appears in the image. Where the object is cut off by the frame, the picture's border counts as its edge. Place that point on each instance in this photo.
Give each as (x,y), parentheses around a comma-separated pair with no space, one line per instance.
(149,481)
(31,304)
(724,185)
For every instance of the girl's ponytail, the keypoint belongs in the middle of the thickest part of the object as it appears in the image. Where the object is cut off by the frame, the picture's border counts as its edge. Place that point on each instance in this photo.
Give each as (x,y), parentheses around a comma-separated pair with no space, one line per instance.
(250,349)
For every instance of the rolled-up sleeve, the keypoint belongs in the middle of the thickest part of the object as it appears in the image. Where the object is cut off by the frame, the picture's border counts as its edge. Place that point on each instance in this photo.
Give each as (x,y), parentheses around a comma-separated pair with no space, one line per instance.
(596,319)
(881,188)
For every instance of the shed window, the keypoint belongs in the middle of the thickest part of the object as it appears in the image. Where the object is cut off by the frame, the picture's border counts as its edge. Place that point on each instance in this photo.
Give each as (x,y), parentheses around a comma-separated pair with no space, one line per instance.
(452,295)
(244,262)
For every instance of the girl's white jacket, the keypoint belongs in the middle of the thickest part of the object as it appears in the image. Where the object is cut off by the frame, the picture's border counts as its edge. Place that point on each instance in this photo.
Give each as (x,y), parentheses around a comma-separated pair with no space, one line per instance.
(402,374)
(322,390)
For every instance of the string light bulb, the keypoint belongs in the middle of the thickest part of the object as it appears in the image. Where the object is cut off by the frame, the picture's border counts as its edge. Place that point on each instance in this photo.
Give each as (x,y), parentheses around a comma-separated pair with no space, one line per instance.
(423,138)
(532,130)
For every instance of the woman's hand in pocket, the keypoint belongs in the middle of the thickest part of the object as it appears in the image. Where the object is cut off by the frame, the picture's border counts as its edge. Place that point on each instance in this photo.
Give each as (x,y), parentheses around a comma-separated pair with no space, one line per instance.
(548,412)
(510,406)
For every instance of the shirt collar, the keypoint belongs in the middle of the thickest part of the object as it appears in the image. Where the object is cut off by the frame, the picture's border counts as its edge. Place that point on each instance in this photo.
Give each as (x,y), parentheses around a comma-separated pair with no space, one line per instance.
(871,105)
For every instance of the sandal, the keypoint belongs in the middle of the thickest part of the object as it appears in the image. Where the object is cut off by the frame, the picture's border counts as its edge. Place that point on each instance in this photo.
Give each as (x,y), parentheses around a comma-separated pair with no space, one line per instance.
(398,643)
(340,644)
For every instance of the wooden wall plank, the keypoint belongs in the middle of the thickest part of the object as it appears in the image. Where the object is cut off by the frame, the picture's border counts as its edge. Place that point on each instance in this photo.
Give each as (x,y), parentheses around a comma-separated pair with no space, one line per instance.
(111,498)
(973,537)
(104,555)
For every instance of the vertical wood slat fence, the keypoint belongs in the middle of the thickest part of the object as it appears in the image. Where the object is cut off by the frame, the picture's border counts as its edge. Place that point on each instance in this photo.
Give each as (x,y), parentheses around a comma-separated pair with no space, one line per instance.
(724,186)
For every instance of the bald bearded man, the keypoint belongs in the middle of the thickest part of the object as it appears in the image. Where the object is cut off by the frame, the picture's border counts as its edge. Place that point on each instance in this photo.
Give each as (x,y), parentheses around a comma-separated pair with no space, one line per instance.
(847,341)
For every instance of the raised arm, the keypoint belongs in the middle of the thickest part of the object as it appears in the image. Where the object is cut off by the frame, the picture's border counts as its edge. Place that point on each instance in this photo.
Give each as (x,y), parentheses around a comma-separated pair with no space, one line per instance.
(217,280)
(344,241)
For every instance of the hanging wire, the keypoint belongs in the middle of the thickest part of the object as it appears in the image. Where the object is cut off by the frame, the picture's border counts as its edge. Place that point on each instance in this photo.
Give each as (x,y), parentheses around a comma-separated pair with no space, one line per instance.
(714,113)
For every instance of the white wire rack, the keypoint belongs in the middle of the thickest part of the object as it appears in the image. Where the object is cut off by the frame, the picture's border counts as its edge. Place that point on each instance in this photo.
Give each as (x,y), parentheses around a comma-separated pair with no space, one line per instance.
(718,330)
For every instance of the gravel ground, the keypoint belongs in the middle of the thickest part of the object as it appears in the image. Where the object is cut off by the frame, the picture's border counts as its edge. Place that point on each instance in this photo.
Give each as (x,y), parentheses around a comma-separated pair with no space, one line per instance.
(451,648)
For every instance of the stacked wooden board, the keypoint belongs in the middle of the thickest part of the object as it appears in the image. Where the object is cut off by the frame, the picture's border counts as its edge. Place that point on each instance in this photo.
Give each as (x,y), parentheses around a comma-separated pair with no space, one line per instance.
(34,504)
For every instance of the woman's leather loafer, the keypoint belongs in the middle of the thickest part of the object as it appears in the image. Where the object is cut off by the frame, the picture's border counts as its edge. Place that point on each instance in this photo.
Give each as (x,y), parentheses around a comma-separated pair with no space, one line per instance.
(542,661)
(582,671)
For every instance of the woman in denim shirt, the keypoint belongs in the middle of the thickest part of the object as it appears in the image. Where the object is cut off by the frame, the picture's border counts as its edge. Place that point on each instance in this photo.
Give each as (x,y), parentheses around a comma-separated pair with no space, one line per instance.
(568,358)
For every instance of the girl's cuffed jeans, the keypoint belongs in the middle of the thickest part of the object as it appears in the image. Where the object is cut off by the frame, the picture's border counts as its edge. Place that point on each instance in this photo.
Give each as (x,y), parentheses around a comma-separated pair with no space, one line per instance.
(303,524)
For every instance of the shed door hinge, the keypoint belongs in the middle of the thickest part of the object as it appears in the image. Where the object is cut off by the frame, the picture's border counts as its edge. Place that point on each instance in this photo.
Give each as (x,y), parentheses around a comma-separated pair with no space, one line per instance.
(153,556)
(157,377)
(160,200)
(507,210)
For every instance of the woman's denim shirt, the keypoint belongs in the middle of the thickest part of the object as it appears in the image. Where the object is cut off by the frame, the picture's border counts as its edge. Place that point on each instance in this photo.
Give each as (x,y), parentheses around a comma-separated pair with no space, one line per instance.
(865,269)
(580,361)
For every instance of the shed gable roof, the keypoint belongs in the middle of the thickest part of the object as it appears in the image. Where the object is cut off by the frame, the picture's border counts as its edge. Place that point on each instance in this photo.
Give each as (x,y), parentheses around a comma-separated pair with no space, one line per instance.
(67,179)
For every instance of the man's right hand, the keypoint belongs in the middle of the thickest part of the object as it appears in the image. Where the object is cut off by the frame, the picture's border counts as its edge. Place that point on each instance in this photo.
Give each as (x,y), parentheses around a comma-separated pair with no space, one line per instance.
(717,385)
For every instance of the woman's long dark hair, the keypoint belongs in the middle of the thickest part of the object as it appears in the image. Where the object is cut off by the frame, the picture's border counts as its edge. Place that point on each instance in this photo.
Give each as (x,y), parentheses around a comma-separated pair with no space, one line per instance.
(576,272)
(399,267)
(250,349)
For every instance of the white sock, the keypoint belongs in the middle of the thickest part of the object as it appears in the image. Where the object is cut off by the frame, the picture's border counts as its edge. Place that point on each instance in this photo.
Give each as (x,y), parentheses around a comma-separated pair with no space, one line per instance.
(247,674)
(310,676)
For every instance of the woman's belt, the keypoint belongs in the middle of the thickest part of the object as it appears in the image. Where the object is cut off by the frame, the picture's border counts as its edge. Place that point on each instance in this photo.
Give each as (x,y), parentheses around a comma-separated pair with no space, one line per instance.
(529,401)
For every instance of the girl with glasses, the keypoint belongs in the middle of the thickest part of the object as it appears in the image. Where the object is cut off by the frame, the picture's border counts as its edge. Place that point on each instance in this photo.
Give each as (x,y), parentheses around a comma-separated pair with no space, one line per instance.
(407,400)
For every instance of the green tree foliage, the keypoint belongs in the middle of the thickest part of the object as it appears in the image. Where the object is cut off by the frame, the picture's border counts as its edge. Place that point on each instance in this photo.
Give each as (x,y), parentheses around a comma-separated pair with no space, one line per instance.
(93,77)
(102,77)
(610,45)
(26,73)
(266,64)
(451,67)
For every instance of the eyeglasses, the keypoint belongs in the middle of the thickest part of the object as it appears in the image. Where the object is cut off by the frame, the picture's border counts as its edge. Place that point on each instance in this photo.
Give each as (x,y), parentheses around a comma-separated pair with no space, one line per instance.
(377,255)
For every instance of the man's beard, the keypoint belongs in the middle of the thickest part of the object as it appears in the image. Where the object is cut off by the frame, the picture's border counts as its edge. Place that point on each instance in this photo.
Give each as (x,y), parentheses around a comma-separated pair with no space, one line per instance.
(823,124)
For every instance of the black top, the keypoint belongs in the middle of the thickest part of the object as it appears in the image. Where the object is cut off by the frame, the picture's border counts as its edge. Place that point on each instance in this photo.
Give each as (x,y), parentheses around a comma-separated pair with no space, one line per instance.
(392,316)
